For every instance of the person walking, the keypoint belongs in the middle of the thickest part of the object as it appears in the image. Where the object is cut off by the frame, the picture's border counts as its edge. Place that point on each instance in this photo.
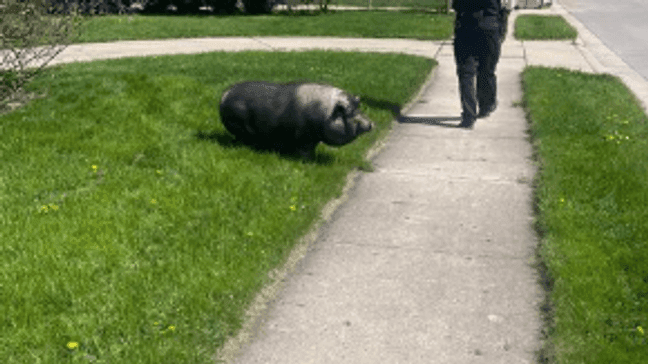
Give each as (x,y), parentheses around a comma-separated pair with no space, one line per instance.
(477,50)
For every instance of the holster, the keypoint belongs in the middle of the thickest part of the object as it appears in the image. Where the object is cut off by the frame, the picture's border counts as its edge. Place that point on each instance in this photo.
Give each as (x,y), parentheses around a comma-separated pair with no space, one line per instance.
(503,19)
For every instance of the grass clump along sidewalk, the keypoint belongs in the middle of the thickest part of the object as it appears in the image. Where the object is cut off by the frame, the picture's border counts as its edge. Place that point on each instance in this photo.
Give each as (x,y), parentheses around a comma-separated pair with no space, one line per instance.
(591,139)
(543,27)
(429,4)
(361,24)
(134,230)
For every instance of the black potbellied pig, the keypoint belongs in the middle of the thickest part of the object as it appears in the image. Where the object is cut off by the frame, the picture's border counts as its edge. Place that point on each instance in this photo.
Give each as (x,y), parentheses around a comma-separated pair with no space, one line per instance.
(293,117)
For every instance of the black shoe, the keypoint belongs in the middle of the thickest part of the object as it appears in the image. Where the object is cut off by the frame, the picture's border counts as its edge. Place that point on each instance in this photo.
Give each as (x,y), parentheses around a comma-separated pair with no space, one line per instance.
(484,112)
(467,123)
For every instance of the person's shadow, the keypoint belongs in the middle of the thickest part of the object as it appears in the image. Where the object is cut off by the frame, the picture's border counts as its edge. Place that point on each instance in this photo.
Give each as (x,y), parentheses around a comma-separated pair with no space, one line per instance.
(442,121)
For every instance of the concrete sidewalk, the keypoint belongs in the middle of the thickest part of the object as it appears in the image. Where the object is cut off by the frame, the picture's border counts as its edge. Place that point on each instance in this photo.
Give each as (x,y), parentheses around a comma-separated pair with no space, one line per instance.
(429,259)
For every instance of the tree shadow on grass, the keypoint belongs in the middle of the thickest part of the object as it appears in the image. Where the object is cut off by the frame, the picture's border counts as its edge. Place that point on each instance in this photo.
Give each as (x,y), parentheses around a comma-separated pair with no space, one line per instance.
(392,107)
(228,141)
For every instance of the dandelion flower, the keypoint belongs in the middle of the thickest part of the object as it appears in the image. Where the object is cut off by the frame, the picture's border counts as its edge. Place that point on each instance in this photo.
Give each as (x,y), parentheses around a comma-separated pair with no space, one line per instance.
(293,208)
(94,167)
(153,201)
(171,328)
(72,345)
(640,330)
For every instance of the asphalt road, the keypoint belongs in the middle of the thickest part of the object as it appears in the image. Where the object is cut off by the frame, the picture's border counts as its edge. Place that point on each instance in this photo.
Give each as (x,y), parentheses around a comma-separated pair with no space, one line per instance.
(622,25)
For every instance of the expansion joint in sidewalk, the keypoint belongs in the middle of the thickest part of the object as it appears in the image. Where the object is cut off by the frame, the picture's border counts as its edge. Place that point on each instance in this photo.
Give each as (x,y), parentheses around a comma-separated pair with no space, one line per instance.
(524,54)
(267,45)
(443,44)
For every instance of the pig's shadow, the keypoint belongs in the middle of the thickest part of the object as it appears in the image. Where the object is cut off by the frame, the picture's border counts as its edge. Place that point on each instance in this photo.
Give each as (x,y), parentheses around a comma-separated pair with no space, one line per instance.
(226,140)
(395,109)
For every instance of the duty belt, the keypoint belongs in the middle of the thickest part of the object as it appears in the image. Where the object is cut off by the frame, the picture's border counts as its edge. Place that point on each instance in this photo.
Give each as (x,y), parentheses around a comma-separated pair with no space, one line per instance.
(464,15)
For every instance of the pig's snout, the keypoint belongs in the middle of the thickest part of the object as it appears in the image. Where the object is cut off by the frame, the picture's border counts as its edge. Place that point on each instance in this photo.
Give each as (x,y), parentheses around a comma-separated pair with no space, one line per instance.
(363,124)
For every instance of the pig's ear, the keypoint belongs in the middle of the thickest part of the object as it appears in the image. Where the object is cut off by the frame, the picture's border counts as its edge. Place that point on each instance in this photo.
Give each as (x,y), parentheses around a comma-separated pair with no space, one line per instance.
(338,111)
(350,105)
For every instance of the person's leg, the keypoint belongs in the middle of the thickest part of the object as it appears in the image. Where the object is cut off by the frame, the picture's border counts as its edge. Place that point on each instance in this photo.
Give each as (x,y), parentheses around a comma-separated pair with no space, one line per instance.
(465,61)
(488,56)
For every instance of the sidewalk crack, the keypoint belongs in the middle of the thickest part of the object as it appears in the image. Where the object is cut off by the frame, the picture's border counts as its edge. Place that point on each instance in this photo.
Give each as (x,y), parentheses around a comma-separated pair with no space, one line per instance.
(436,55)
(591,63)
(524,54)
(260,41)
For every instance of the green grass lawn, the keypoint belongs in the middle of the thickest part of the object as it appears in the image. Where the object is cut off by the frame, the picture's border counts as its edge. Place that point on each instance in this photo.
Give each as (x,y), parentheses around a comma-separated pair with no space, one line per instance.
(134,230)
(374,24)
(591,139)
(543,27)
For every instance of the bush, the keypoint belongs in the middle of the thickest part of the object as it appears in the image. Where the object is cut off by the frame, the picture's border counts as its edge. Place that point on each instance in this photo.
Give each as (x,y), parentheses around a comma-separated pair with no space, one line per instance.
(226,6)
(29,40)
(90,7)
(323,4)
(259,6)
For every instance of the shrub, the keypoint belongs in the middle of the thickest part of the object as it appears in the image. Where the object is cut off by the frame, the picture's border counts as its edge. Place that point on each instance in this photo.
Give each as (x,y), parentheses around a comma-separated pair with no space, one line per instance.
(90,7)
(323,4)
(258,6)
(29,40)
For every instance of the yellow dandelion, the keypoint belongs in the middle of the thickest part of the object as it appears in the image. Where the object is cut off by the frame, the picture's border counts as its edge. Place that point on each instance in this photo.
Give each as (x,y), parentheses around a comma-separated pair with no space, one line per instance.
(44,209)
(72,345)
(640,330)
(293,208)
(94,168)
(54,207)
(158,171)
(156,323)
(153,201)
(171,328)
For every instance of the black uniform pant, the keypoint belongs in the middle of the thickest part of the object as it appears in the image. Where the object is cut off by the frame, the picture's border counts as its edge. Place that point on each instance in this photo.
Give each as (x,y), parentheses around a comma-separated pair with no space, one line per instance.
(477,51)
